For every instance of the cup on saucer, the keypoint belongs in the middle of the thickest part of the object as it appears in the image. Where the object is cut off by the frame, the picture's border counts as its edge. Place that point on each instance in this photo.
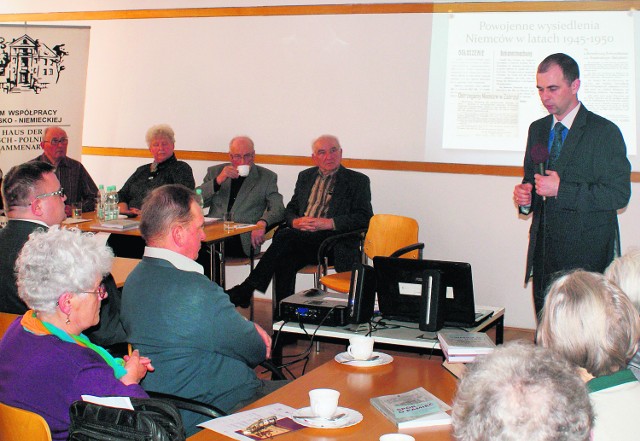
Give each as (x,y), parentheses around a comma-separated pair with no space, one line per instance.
(360,347)
(396,437)
(324,402)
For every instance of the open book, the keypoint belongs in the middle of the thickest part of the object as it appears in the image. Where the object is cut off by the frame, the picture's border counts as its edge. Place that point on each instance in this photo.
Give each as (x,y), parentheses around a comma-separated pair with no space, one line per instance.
(415,408)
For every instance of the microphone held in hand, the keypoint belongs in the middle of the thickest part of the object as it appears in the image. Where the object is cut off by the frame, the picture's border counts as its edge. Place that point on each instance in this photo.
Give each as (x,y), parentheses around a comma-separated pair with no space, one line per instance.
(539,156)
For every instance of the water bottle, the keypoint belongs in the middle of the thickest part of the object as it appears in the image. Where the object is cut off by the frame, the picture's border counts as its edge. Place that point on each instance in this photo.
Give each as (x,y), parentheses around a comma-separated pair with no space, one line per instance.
(110,209)
(116,200)
(199,199)
(100,199)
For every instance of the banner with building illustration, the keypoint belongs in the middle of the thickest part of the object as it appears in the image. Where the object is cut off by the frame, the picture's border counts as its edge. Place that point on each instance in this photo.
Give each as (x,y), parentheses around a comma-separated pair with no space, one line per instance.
(43,72)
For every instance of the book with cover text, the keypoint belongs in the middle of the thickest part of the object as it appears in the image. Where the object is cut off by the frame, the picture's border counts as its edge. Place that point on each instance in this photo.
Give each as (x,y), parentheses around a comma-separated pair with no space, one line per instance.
(457,342)
(415,408)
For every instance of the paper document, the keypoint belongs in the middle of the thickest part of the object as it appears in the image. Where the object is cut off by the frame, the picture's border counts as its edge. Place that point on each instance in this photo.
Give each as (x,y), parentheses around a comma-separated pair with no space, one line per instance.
(117,402)
(231,424)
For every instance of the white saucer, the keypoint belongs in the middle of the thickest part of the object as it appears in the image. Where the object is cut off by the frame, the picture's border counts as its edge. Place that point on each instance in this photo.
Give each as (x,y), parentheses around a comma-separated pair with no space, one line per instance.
(348,360)
(351,418)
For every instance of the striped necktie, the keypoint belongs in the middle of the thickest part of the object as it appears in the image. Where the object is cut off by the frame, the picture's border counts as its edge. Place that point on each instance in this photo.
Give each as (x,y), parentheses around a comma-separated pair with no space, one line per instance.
(556,145)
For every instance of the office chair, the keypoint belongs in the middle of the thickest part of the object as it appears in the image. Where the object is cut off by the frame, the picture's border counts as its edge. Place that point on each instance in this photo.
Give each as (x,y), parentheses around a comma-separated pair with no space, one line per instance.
(388,235)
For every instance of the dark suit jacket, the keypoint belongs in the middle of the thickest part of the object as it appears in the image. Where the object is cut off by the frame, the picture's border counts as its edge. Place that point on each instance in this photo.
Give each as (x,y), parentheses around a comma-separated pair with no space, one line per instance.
(350,208)
(12,239)
(595,181)
(257,199)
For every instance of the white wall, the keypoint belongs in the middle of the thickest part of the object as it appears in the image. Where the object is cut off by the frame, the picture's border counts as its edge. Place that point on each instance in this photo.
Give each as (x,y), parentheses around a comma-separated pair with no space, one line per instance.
(467,218)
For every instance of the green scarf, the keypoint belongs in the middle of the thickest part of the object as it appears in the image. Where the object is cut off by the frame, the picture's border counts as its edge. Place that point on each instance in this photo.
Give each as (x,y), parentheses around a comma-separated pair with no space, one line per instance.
(31,323)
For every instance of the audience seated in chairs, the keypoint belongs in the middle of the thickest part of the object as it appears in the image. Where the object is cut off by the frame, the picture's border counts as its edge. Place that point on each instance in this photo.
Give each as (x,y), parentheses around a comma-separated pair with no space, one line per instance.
(46,362)
(328,199)
(522,392)
(593,324)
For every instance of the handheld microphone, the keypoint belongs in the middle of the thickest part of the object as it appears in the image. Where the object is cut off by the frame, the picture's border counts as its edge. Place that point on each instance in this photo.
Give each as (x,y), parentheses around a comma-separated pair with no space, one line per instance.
(539,156)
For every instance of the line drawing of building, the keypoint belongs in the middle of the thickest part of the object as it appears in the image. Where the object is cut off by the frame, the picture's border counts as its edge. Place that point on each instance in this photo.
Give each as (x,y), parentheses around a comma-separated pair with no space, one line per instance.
(26,64)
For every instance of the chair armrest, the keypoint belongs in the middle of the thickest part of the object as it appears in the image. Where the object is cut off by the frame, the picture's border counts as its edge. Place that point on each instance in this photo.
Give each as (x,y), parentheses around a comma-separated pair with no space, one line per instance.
(205,409)
(276,373)
(327,245)
(404,250)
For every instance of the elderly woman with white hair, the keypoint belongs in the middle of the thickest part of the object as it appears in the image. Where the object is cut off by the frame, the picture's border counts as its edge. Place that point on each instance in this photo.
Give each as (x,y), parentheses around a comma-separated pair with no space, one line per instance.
(165,169)
(594,325)
(624,271)
(46,362)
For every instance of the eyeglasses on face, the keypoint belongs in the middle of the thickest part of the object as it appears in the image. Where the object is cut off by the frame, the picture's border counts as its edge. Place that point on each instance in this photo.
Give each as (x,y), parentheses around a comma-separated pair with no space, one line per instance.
(101,292)
(56,141)
(246,157)
(58,192)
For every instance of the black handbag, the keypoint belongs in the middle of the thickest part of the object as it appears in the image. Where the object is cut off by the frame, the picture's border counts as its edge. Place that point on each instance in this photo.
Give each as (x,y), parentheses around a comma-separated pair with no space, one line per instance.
(151,420)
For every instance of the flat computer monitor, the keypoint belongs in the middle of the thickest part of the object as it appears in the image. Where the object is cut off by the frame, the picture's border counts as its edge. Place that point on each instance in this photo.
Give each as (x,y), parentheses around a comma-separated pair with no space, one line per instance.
(393,274)
(409,291)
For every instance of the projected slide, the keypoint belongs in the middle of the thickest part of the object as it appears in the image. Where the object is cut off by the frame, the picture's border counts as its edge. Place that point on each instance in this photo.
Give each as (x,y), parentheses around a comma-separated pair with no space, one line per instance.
(490,96)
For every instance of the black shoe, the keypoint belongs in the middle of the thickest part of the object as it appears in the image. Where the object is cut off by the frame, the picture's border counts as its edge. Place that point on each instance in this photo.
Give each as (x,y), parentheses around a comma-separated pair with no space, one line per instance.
(240,295)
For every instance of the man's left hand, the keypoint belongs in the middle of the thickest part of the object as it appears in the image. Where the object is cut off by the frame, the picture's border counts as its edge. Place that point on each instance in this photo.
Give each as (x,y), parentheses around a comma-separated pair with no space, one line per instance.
(257,236)
(548,185)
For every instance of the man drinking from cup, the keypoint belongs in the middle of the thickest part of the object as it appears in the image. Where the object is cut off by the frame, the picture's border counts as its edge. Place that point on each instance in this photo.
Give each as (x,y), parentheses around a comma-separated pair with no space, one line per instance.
(246,193)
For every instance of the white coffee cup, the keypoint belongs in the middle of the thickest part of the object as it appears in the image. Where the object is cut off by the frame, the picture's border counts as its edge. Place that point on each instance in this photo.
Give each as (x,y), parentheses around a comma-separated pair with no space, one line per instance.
(324,402)
(243,170)
(396,437)
(360,347)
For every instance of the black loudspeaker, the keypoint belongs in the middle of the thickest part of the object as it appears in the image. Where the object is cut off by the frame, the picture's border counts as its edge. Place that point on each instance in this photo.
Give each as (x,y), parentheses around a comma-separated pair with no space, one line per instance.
(432,302)
(362,293)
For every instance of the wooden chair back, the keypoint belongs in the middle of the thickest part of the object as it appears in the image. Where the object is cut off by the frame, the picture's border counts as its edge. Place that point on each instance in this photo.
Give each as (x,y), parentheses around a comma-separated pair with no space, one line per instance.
(5,320)
(20,425)
(388,233)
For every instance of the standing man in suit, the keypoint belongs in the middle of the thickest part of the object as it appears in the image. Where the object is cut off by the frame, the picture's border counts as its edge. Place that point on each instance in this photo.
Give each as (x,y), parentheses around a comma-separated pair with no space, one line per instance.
(586,180)
(252,198)
(328,199)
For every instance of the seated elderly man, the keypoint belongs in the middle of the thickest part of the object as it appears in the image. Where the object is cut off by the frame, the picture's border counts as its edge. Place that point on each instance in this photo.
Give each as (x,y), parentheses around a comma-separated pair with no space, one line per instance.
(252,198)
(522,392)
(328,199)
(74,178)
(593,324)
(201,347)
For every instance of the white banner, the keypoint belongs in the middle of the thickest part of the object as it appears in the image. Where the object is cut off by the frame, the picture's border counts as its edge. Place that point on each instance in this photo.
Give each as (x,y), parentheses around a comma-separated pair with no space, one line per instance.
(43,71)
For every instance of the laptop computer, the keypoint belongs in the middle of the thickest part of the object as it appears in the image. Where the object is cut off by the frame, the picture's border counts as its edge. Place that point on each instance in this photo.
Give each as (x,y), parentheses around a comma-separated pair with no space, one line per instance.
(459,305)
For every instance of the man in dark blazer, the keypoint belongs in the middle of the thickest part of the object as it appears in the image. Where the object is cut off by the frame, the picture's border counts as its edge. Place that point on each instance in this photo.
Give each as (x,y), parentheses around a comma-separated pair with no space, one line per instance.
(251,198)
(328,199)
(34,199)
(586,180)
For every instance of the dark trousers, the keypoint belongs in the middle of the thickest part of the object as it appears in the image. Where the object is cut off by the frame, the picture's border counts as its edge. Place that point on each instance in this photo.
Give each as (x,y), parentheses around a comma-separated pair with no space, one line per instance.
(290,251)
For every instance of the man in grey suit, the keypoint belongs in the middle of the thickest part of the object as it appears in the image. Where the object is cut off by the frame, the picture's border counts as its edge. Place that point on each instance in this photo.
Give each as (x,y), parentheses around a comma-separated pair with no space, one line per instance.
(251,198)
(587,179)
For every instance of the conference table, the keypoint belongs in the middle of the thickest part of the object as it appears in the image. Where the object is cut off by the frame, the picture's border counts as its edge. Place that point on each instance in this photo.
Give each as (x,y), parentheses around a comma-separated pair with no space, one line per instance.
(214,232)
(357,385)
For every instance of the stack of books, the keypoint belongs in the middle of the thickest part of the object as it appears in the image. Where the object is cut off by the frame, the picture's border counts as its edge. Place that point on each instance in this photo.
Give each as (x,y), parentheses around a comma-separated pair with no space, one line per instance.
(460,346)
(415,408)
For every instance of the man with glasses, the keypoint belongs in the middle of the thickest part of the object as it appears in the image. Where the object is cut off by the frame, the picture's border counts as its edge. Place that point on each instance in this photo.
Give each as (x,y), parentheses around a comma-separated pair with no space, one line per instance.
(33,199)
(251,196)
(328,199)
(77,183)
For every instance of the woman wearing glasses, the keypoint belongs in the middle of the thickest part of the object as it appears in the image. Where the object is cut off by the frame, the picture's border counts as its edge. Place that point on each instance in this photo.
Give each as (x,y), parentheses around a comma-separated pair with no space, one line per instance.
(165,169)
(46,362)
